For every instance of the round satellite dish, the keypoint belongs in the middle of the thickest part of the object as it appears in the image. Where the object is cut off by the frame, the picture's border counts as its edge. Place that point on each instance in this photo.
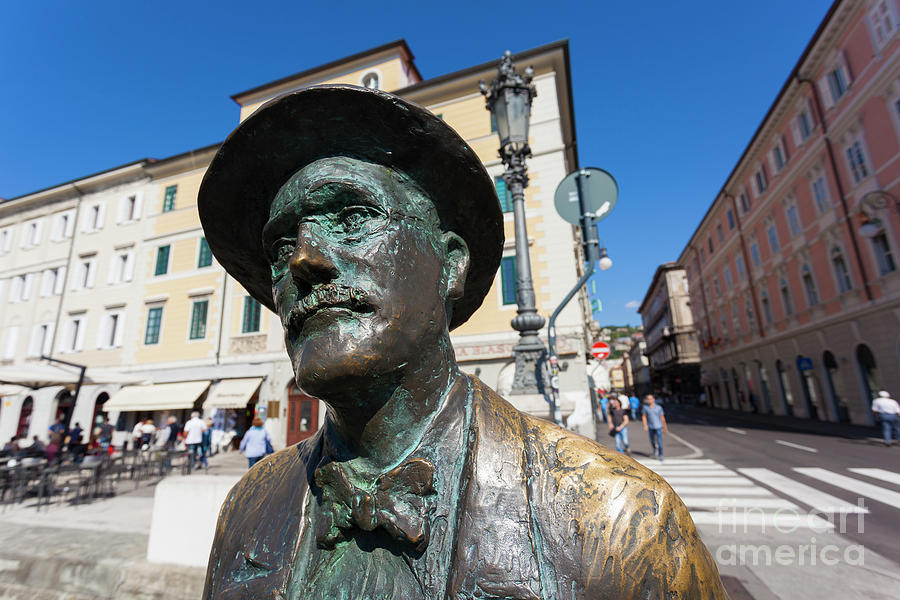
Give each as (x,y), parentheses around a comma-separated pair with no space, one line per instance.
(600,193)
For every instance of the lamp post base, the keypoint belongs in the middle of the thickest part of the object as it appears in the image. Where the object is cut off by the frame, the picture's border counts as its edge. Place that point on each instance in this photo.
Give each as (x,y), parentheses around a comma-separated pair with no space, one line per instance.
(529,377)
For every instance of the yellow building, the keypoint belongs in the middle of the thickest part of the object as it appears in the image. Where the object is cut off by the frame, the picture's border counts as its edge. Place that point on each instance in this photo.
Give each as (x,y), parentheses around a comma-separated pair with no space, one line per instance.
(180,322)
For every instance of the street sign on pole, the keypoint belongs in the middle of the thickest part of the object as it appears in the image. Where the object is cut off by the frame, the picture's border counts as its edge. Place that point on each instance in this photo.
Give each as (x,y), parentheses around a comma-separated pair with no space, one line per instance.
(600,350)
(599,193)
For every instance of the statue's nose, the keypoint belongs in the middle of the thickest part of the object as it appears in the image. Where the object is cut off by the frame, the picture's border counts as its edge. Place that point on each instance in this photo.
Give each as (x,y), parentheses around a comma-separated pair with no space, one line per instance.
(310,264)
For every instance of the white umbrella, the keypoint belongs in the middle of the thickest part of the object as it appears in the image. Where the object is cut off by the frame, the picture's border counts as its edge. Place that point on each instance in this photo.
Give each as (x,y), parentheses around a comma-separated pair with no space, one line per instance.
(40,375)
(11,390)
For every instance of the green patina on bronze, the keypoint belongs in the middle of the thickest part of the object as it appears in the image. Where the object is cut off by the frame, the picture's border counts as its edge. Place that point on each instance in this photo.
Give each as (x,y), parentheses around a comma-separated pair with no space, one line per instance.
(372,230)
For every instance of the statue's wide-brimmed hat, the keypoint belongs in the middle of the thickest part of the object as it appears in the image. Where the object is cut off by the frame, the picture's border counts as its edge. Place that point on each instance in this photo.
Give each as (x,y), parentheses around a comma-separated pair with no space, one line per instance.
(290,132)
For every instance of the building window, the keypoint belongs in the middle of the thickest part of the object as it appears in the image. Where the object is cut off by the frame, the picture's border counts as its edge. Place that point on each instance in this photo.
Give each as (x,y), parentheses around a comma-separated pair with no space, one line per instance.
(745,202)
(63,226)
(809,285)
(93,218)
(508,279)
(53,282)
(204,256)
(250,322)
(154,323)
(840,271)
(804,125)
(754,254)
(506,202)
(736,319)
(84,275)
(112,330)
(883,254)
(74,340)
(730,215)
(717,286)
(748,308)
(710,244)
(727,273)
(883,21)
(121,268)
(820,194)
(371,80)
(31,236)
(6,240)
(740,265)
(837,83)
(767,308)
(857,162)
(793,220)
(169,198)
(162,260)
(772,234)
(786,297)
(41,335)
(198,319)
(779,157)
(719,233)
(762,181)
(493,123)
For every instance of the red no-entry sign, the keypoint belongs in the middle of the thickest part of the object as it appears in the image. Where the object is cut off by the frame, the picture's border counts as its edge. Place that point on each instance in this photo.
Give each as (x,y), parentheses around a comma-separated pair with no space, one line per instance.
(600,350)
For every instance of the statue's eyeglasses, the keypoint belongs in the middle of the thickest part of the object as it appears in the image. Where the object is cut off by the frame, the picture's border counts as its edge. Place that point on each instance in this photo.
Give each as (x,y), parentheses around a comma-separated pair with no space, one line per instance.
(347,226)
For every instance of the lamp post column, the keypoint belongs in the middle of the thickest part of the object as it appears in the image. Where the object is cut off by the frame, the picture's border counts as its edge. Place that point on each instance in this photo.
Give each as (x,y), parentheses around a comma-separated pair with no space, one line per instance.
(529,352)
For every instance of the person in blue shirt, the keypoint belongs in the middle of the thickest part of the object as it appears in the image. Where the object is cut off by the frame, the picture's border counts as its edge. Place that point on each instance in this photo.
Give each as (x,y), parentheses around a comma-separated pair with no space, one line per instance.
(654,420)
(635,404)
(255,442)
(603,402)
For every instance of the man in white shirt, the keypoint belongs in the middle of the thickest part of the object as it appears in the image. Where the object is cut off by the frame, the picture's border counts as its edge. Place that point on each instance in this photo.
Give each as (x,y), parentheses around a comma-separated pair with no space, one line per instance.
(888,411)
(193,436)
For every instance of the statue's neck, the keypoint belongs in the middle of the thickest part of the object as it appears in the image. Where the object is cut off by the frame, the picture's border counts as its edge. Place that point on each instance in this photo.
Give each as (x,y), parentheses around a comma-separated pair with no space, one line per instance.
(375,432)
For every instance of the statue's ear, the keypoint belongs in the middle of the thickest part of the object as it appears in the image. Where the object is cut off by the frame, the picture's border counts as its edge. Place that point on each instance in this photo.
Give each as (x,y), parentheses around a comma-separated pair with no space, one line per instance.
(456,266)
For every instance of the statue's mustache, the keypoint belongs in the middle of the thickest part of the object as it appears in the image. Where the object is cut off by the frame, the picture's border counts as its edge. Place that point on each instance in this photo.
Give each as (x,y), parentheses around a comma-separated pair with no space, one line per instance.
(328,296)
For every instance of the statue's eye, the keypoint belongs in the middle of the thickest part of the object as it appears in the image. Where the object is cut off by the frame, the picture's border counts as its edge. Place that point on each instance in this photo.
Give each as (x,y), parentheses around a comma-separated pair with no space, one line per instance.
(279,253)
(358,220)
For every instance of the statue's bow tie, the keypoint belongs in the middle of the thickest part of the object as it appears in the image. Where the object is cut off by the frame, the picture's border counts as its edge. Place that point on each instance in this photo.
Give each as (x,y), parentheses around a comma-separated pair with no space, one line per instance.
(397,504)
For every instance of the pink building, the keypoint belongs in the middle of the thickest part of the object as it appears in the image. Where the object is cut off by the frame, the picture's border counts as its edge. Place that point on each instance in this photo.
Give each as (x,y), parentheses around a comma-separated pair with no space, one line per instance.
(793,271)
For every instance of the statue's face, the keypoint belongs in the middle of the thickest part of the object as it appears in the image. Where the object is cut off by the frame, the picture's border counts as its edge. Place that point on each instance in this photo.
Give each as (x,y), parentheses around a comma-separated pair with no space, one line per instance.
(361,274)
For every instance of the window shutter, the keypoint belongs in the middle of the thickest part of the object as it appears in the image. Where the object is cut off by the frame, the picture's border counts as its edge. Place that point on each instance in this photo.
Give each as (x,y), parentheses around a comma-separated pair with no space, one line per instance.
(102,215)
(120,329)
(825,92)
(138,203)
(48,341)
(103,332)
(46,288)
(845,65)
(772,166)
(26,289)
(129,266)
(15,292)
(37,232)
(12,340)
(79,277)
(7,243)
(79,339)
(86,219)
(92,271)
(60,281)
(70,224)
(34,346)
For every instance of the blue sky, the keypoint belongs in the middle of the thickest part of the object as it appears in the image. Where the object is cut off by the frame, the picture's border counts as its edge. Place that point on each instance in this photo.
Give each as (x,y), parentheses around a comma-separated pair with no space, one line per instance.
(667,95)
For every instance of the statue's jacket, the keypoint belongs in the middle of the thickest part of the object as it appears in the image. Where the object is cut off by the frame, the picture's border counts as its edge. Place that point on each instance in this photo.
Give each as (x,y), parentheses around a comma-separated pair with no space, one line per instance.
(543,514)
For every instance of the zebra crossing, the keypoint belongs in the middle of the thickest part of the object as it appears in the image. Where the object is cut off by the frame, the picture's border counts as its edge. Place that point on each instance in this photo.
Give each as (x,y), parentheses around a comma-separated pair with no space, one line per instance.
(717,495)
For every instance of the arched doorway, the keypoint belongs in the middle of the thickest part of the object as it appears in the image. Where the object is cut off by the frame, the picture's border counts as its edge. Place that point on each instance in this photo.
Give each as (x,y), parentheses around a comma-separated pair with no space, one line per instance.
(98,408)
(835,387)
(303,416)
(25,417)
(868,373)
(808,386)
(65,404)
(787,399)
(764,385)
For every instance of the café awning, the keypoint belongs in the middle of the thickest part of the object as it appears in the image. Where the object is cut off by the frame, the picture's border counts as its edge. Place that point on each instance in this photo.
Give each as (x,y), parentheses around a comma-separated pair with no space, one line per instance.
(40,375)
(232,393)
(162,396)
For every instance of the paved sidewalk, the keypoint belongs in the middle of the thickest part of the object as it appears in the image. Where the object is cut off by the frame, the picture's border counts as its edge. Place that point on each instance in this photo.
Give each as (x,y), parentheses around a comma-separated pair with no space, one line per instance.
(95,550)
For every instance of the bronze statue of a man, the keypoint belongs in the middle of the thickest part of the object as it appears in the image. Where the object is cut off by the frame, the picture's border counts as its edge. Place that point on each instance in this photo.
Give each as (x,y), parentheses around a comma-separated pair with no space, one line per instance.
(372,229)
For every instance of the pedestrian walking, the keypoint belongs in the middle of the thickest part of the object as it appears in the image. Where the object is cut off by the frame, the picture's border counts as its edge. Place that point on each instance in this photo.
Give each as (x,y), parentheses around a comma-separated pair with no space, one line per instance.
(888,411)
(654,419)
(256,442)
(634,404)
(206,443)
(193,438)
(618,423)
(105,434)
(604,404)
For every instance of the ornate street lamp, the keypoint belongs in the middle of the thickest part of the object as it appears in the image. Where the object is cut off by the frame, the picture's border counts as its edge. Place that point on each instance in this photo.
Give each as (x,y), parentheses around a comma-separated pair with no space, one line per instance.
(509,100)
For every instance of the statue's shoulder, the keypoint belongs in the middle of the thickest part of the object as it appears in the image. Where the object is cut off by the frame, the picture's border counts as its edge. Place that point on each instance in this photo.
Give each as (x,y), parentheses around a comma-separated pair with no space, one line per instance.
(600,510)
